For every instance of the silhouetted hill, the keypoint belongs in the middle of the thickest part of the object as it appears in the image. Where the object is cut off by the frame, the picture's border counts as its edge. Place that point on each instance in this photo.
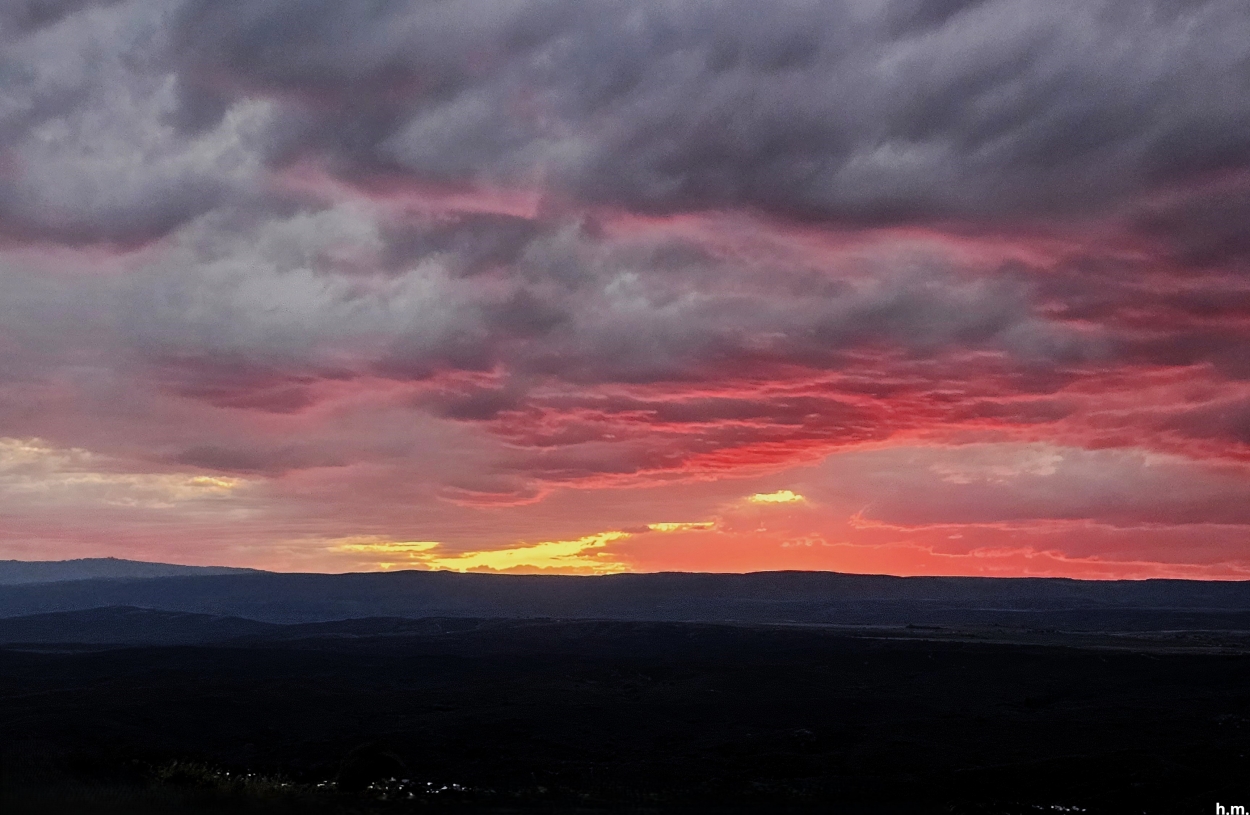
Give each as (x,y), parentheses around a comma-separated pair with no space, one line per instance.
(15,572)
(767,597)
(127,626)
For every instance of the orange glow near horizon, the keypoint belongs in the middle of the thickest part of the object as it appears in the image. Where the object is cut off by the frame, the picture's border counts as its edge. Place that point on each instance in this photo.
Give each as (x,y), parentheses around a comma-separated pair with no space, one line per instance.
(764,530)
(785,532)
(705,549)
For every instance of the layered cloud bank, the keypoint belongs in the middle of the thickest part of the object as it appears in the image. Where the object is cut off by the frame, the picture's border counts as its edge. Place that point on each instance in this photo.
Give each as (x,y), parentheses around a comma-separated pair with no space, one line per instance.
(953,287)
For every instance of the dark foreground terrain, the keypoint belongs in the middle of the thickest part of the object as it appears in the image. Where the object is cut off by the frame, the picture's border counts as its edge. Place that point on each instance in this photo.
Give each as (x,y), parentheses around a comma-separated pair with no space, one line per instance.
(547,715)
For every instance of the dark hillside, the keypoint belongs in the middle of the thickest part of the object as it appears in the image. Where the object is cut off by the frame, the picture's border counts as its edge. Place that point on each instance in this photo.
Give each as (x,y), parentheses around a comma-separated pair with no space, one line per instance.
(586,716)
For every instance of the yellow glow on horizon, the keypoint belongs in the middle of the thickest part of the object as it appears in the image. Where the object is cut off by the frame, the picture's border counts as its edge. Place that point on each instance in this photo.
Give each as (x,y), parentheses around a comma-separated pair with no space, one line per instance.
(589,554)
(778,497)
(373,545)
(567,555)
(575,556)
(681,527)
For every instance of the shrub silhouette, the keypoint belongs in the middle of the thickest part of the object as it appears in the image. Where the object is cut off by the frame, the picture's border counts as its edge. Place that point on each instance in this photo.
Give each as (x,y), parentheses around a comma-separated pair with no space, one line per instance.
(367,763)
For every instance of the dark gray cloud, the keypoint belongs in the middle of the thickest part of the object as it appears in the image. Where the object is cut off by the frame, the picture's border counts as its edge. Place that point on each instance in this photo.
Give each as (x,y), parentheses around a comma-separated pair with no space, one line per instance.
(19,17)
(1202,230)
(125,119)
(261,320)
(210,136)
(867,110)
(228,306)
(99,145)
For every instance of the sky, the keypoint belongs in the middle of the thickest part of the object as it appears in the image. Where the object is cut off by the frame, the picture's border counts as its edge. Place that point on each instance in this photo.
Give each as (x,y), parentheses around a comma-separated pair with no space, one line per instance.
(594,286)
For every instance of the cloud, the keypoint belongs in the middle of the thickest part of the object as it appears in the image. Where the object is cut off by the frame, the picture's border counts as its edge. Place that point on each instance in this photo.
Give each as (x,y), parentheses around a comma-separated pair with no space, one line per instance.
(778,497)
(128,119)
(1015,483)
(398,268)
(868,112)
(381,546)
(651,345)
(36,474)
(93,151)
(685,526)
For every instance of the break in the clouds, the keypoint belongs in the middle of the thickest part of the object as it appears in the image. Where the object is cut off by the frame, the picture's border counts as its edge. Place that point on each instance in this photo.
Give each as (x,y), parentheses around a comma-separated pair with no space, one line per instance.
(969,278)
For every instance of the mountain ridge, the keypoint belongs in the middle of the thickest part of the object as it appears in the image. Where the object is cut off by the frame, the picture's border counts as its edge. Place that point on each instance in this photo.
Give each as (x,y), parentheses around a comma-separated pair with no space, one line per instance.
(26,572)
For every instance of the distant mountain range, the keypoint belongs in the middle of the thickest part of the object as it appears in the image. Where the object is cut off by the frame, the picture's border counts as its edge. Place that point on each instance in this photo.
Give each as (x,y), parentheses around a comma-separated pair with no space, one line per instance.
(17,572)
(822,598)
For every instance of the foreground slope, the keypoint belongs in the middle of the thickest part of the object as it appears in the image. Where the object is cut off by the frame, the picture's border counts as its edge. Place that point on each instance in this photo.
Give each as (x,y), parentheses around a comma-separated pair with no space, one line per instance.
(594,715)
